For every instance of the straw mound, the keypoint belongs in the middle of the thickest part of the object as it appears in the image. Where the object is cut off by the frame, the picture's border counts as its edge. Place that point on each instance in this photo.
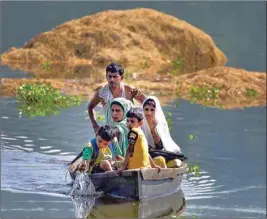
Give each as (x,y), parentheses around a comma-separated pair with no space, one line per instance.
(140,39)
(232,82)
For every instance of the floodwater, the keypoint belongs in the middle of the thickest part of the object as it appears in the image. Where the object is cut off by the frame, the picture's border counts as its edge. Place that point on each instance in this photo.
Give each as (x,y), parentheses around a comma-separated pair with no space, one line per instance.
(230,146)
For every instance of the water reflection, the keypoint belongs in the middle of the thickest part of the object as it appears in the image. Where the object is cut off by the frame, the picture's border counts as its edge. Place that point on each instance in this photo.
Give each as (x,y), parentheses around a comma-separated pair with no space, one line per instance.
(108,207)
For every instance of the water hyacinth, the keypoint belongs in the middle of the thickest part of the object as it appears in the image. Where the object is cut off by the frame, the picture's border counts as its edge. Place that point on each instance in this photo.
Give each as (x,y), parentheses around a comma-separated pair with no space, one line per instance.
(41,99)
(194,169)
(204,93)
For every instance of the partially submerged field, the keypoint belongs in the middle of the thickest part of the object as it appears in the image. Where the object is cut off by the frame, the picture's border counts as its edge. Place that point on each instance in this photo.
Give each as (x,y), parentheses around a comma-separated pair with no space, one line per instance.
(162,55)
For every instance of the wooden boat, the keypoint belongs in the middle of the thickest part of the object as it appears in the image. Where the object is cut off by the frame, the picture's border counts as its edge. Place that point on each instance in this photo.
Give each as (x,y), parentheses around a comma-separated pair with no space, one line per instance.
(139,184)
(108,207)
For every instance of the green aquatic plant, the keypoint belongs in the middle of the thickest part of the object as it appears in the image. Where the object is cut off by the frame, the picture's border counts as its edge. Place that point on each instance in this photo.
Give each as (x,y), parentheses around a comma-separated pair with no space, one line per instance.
(169,120)
(194,169)
(204,93)
(46,65)
(251,92)
(99,117)
(177,66)
(41,99)
(191,137)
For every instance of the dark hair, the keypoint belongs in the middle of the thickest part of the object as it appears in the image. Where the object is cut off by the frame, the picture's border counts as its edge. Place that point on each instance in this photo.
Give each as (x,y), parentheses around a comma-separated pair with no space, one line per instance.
(150,102)
(115,68)
(135,112)
(117,103)
(106,132)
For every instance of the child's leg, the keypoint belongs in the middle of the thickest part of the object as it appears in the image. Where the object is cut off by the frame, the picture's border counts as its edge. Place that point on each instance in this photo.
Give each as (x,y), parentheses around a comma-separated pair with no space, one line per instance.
(105,165)
(160,161)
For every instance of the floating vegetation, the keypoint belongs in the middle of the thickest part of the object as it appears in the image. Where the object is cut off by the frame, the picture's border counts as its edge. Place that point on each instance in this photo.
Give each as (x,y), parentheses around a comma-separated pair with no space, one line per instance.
(41,99)
(205,94)
(251,93)
(169,120)
(46,65)
(99,117)
(194,169)
(177,66)
(191,137)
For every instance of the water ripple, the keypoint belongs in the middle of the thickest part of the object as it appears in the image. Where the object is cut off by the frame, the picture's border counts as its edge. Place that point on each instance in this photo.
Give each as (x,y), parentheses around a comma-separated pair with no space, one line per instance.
(37,173)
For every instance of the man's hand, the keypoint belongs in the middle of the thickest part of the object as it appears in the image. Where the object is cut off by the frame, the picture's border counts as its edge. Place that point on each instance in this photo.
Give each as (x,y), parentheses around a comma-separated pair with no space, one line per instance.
(138,95)
(134,92)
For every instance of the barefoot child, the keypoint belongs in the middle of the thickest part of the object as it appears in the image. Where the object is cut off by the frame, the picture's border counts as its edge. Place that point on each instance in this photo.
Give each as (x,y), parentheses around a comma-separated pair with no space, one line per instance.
(97,155)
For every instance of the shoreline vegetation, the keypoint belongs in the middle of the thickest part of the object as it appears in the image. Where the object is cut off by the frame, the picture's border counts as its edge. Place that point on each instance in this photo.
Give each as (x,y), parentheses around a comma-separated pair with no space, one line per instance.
(162,55)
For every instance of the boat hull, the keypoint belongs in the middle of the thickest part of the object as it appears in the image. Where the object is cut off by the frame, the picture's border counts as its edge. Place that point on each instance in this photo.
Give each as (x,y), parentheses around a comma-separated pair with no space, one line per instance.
(140,184)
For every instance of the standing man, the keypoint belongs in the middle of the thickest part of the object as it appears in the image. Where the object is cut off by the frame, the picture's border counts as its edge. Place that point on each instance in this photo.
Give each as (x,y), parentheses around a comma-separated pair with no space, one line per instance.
(113,89)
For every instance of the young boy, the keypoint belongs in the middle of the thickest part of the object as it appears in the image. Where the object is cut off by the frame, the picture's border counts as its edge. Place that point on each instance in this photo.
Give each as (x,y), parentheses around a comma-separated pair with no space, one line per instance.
(137,155)
(98,153)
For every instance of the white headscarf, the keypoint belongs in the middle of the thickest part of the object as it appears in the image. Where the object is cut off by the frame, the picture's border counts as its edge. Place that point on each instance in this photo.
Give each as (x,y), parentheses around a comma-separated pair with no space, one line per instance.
(162,129)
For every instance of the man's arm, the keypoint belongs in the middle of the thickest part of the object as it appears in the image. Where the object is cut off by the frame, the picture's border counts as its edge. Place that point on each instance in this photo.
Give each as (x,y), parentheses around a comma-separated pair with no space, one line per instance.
(136,94)
(93,103)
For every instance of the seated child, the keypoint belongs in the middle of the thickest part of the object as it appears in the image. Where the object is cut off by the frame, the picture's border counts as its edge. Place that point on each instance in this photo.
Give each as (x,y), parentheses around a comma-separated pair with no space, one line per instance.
(137,155)
(97,155)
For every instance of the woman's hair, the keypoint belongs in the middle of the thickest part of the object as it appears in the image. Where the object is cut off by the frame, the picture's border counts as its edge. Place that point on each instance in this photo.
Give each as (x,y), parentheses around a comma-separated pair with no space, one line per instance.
(117,103)
(150,102)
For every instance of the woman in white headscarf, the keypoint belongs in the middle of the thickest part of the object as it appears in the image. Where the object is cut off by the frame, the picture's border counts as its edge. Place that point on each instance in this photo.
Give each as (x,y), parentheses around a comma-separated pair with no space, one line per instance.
(156,130)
